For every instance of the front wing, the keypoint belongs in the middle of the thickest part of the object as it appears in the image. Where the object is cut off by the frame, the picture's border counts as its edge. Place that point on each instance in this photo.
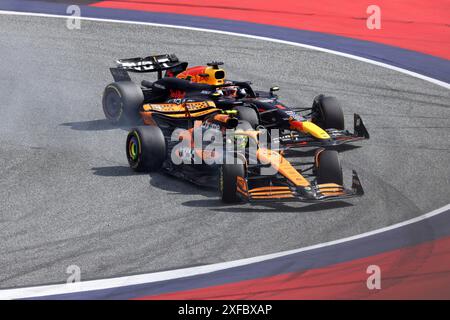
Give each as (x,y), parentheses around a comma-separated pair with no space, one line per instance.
(284,191)
(337,137)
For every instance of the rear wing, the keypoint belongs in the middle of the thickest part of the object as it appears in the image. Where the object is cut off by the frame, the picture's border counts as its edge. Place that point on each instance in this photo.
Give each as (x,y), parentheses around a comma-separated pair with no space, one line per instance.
(157,63)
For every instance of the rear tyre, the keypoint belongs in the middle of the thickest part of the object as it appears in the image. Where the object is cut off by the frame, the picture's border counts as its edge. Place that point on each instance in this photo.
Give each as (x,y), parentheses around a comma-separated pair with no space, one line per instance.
(228,176)
(122,101)
(328,113)
(248,114)
(328,167)
(146,148)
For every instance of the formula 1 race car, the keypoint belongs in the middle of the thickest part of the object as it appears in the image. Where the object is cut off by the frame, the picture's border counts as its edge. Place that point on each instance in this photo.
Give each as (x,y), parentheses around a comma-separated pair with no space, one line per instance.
(152,147)
(320,125)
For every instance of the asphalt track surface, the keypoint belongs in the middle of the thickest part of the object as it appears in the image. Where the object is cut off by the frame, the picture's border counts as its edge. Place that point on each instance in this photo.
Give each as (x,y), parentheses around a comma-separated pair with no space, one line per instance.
(68,197)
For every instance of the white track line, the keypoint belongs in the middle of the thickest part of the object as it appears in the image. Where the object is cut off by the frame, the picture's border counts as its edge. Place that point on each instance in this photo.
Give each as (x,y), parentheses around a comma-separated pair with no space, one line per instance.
(47,290)
(40,291)
(384,65)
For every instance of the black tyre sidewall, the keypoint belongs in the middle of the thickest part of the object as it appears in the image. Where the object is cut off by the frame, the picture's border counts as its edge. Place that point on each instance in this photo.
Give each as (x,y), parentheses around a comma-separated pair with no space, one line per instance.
(331,114)
(151,150)
(329,168)
(228,181)
(132,98)
(112,90)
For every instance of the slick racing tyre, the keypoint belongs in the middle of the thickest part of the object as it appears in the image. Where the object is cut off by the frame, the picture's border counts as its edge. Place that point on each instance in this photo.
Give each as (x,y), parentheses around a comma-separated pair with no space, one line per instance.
(146,148)
(122,101)
(228,184)
(328,167)
(327,113)
(248,114)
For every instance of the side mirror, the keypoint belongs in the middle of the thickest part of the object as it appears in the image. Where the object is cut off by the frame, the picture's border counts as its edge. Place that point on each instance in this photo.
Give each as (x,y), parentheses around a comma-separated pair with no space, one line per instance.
(274,89)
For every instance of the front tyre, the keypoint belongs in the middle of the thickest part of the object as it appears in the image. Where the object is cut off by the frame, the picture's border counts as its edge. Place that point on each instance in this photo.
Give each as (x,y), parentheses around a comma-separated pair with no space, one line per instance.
(328,167)
(146,148)
(228,185)
(327,113)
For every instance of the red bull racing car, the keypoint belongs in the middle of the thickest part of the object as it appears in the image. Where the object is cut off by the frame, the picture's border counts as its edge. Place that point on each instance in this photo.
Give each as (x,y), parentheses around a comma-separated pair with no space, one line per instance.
(322,124)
